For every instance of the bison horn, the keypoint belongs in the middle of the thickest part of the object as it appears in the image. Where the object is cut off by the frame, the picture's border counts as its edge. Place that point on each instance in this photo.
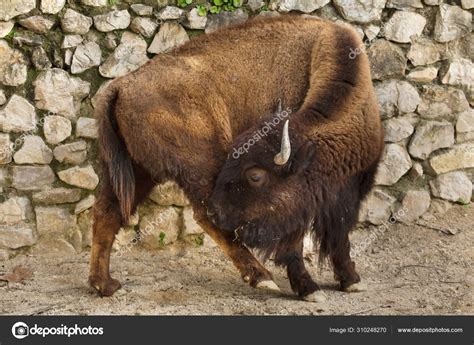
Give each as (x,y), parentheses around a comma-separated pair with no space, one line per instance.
(282,157)
(279,107)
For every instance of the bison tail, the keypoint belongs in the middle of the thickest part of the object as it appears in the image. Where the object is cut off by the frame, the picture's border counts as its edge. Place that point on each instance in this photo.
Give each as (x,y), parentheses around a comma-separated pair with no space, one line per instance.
(116,160)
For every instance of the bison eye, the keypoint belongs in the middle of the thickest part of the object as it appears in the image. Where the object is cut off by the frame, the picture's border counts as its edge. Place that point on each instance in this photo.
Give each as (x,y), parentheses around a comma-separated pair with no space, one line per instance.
(256,177)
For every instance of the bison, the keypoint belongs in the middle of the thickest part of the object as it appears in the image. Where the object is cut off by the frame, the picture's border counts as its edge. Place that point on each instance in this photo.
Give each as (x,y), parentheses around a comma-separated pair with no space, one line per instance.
(204,116)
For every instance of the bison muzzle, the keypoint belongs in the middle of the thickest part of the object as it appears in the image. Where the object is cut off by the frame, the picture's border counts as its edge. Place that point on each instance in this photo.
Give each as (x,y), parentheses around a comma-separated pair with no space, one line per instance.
(272,130)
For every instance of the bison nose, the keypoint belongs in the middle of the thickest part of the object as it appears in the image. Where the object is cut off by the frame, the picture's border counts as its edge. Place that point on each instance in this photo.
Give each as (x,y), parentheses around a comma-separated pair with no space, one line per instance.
(211,213)
(214,214)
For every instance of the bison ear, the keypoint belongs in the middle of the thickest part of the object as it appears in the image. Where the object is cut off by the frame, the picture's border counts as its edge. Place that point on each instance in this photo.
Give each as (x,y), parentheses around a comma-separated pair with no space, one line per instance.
(303,158)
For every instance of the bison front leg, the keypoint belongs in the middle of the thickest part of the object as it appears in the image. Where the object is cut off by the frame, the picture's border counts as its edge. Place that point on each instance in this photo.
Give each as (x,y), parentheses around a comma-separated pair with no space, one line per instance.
(290,254)
(251,270)
(107,222)
(344,268)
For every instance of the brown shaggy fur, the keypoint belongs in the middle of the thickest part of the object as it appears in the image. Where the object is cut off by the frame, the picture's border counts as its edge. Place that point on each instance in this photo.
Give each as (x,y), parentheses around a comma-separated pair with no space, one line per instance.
(179,116)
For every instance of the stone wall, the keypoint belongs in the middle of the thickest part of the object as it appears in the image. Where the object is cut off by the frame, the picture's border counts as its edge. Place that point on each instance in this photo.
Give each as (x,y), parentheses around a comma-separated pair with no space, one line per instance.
(54,57)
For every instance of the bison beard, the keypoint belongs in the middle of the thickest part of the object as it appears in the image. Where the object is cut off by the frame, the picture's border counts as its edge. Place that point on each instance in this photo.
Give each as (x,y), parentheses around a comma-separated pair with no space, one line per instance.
(176,119)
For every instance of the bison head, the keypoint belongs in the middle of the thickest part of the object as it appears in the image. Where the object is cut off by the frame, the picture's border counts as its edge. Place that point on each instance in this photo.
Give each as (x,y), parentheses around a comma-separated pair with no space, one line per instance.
(262,192)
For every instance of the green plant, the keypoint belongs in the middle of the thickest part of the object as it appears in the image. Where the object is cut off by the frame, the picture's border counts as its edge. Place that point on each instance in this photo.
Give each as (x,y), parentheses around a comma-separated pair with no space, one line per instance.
(184,3)
(202,10)
(112,2)
(161,239)
(264,8)
(217,6)
(11,34)
(199,240)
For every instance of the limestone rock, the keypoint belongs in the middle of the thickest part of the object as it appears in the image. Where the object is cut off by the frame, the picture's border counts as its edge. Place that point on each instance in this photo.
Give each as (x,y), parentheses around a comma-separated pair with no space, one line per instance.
(56,129)
(75,23)
(142,10)
(52,6)
(170,12)
(84,221)
(423,52)
(71,41)
(458,157)
(13,65)
(57,196)
(437,101)
(3,177)
(423,75)
(72,153)
(5,149)
(451,22)
(394,164)
(190,226)
(397,129)
(95,3)
(415,203)
(33,151)
(396,97)
(15,210)
(459,73)
(17,236)
(86,56)
(86,127)
(404,25)
(225,19)
(416,171)
(10,9)
(431,136)
(305,6)
(465,122)
(144,26)
(40,59)
(18,115)
(361,11)
(467,4)
(85,177)
(168,194)
(404,4)
(32,177)
(114,20)
(371,31)
(54,220)
(158,226)
(54,247)
(169,36)
(58,92)
(127,57)
(37,24)
(194,21)
(386,60)
(84,204)
(6,28)
(377,207)
(3,98)
(454,186)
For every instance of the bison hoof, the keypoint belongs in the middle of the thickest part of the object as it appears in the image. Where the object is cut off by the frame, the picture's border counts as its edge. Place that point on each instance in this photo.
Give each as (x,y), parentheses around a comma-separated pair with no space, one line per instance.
(357,287)
(267,285)
(105,288)
(316,297)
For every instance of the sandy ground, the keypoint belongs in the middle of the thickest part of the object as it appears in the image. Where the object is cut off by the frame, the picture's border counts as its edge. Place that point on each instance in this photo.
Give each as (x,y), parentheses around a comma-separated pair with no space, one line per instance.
(409,270)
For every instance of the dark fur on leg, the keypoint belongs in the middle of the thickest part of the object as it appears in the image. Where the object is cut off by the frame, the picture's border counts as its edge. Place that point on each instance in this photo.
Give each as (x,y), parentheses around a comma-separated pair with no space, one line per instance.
(290,254)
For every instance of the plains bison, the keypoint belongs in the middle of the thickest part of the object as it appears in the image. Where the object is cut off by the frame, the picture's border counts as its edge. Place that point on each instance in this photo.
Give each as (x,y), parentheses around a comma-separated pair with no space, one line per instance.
(185,113)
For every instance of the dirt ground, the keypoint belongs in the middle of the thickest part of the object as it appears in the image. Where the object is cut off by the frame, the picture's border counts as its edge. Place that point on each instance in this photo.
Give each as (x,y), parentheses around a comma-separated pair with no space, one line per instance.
(408,269)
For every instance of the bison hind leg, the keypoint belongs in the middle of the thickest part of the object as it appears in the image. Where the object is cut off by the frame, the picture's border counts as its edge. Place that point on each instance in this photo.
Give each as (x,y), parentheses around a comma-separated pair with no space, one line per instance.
(107,222)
